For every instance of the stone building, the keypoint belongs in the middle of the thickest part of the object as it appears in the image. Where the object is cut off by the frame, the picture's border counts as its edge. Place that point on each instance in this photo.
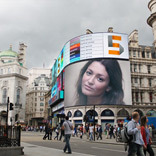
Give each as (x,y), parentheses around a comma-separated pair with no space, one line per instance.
(13,77)
(38,84)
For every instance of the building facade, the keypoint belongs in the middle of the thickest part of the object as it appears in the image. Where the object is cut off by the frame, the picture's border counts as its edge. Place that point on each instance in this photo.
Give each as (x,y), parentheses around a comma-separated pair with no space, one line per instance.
(13,77)
(37,85)
(143,81)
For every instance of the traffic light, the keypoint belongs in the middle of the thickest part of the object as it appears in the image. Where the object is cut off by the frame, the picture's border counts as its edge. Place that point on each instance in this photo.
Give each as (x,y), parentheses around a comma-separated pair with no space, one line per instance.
(11,106)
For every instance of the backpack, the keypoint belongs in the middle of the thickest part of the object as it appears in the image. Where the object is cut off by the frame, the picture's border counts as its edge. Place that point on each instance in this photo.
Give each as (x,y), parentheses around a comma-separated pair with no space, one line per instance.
(126,138)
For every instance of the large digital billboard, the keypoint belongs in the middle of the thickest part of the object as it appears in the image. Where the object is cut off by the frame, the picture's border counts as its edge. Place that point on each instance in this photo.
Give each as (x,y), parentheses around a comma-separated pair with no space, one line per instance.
(97,70)
(89,46)
(98,82)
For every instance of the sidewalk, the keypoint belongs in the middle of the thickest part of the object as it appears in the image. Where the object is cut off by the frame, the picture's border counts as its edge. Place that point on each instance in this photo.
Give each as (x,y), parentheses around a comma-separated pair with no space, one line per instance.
(105,141)
(34,150)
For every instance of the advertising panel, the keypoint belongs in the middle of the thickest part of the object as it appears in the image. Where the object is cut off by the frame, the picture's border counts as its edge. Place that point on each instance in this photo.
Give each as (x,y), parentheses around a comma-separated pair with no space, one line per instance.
(90,46)
(98,82)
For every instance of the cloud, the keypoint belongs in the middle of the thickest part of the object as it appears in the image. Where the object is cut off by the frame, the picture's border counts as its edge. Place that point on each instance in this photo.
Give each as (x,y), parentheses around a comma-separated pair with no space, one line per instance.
(46,25)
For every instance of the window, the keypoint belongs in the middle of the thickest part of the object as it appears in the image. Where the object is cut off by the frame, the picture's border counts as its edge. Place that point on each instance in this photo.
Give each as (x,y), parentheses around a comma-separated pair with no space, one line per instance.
(138,53)
(141,96)
(147,54)
(135,67)
(1,71)
(41,109)
(150,97)
(20,71)
(139,67)
(9,70)
(136,97)
(134,53)
(148,69)
(150,82)
(35,94)
(18,83)
(42,99)
(35,99)
(143,54)
(35,104)
(135,80)
(131,68)
(140,81)
(18,96)
(35,88)
(41,104)
(4,97)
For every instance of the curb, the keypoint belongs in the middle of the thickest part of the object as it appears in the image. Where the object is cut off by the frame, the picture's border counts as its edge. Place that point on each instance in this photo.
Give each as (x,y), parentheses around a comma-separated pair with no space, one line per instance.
(113,143)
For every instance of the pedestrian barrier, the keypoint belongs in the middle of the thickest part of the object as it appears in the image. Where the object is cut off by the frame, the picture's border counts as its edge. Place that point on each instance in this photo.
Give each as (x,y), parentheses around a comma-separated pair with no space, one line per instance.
(10,136)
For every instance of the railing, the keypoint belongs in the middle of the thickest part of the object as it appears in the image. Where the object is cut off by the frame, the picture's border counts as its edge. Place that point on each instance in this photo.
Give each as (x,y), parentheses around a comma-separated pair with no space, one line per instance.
(10,136)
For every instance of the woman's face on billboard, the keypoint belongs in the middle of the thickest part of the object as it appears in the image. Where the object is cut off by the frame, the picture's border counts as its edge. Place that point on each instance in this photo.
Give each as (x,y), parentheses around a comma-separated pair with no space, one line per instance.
(95,80)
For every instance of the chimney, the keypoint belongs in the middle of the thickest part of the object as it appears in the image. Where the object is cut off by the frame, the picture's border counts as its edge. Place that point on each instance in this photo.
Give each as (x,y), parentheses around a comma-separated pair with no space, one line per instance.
(110,29)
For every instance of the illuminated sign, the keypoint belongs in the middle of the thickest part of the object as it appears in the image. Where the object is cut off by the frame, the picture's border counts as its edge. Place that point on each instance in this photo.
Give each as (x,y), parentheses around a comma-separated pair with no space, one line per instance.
(90,46)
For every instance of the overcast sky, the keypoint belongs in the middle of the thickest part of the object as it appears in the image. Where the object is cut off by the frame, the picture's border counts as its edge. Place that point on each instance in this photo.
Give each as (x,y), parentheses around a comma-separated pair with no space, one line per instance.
(46,25)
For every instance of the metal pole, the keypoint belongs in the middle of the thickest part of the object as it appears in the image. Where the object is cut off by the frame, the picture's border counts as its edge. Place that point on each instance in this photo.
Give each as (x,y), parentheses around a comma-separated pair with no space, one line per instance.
(7,117)
(94,121)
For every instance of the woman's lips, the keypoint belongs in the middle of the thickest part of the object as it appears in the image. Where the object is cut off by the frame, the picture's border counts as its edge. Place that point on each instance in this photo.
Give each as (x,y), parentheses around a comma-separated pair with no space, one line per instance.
(88,88)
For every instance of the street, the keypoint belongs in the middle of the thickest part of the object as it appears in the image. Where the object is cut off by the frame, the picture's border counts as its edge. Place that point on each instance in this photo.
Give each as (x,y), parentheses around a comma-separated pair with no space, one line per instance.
(78,145)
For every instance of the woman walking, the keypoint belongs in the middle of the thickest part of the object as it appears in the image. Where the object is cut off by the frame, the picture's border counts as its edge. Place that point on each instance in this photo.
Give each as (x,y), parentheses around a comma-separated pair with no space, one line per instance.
(146,136)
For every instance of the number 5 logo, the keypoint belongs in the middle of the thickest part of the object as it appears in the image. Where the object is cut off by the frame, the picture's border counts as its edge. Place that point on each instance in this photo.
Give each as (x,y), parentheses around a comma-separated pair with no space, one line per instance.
(111,43)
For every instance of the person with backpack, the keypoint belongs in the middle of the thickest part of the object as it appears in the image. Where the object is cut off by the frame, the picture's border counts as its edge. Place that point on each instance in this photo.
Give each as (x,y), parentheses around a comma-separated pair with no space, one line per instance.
(68,127)
(136,142)
(146,136)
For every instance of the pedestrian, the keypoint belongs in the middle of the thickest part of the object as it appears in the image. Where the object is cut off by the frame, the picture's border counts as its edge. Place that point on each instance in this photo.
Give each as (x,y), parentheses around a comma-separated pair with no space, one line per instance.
(50,133)
(46,132)
(150,129)
(62,134)
(99,132)
(153,130)
(137,143)
(75,131)
(91,130)
(68,127)
(107,130)
(87,130)
(57,132)
(41,128)
(81,131)
(146,136)
(111,132)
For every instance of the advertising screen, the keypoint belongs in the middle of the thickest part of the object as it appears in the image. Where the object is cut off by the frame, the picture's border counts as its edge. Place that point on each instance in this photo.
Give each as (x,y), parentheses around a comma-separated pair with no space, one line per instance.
(90,46)
(102,81)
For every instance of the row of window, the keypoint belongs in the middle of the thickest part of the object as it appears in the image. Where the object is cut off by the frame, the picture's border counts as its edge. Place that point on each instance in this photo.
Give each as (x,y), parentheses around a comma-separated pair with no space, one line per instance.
(139,97)
(41,99)
(41,94)
(140,54)
(9,70)
(5,95)
(139,82)
(137,68)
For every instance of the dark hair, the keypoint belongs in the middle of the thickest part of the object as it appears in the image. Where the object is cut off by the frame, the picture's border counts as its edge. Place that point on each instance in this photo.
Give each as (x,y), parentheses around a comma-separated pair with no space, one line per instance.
(67,118)
(143,121)
(116,94)
(135,115)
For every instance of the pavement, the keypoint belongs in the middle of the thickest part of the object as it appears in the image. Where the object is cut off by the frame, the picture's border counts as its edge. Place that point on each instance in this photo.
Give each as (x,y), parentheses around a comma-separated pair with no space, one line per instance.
(35,150)
(34,145)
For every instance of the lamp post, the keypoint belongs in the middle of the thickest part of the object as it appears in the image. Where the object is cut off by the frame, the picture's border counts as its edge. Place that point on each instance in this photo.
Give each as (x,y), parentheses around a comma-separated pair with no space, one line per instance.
(7,117)
(94,120)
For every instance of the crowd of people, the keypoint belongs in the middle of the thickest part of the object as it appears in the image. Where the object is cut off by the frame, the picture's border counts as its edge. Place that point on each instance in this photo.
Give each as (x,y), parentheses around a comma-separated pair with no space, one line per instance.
(140,144)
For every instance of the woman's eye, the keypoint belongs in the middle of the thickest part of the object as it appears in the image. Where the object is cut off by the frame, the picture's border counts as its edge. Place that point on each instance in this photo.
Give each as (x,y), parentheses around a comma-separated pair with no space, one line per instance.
(88,73)
(100,79)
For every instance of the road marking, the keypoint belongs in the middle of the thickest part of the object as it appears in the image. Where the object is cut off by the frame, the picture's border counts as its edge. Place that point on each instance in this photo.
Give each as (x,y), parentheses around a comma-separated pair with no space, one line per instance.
(109,149)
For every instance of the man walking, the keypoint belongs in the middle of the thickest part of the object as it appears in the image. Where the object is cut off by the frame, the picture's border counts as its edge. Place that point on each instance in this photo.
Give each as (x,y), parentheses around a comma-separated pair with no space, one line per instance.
(137,143)
(68,127)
